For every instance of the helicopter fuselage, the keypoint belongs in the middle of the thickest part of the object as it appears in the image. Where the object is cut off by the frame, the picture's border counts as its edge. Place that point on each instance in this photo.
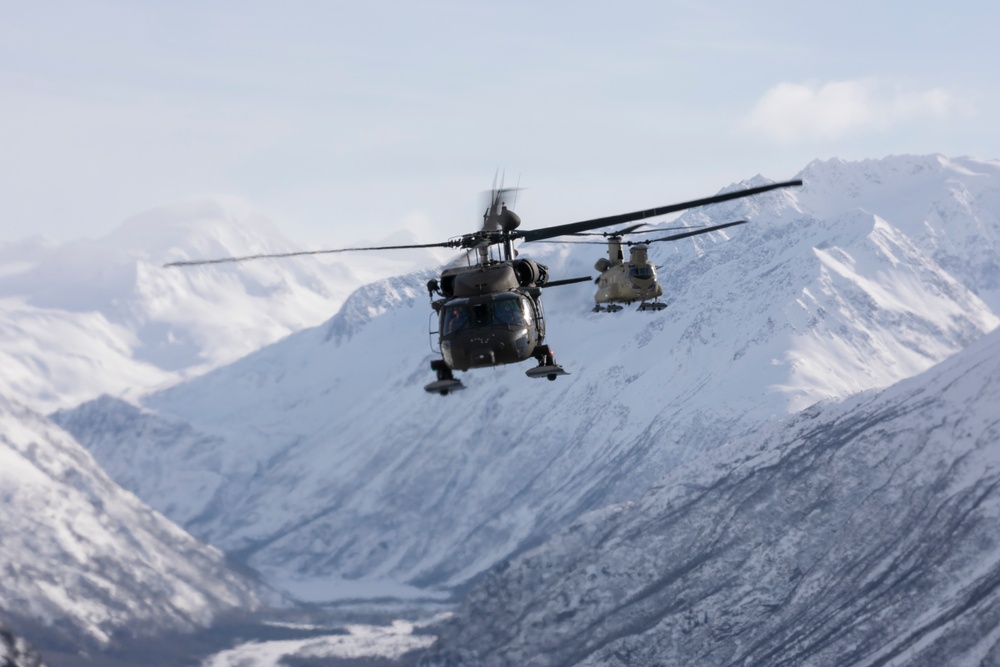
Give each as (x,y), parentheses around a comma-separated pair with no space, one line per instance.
(491,314)
(626,282)
(489,330)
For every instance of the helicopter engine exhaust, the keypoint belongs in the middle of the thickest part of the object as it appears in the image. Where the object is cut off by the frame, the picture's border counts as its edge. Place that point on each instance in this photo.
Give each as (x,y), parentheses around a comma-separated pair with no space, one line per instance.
(528,271)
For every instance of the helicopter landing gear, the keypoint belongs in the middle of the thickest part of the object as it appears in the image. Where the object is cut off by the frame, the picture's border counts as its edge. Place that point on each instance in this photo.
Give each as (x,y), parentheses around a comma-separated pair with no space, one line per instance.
(547,366)
(446,382)
(610,308)
(654,305)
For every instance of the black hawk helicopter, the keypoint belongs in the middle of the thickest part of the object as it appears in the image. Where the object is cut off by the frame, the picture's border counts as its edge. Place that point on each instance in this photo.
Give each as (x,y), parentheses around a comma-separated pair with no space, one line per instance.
(490,312)
(622,281)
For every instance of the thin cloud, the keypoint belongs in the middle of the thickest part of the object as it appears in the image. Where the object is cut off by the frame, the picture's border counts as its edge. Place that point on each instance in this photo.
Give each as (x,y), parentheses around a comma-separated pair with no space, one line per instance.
(791,111)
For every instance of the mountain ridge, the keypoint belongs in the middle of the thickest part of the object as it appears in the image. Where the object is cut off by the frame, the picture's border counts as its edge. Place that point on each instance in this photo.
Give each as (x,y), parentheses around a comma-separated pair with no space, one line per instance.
(88,560)
(764,320)
(144,326)
(862,532)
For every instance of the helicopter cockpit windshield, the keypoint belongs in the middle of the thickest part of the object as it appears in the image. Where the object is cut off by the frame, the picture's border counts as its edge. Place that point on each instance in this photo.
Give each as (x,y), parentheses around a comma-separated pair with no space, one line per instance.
(510,309)
(503,309)
(642,272)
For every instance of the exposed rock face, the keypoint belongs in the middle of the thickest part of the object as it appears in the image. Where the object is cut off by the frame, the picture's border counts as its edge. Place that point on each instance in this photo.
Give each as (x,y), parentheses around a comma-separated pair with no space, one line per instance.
(86,561)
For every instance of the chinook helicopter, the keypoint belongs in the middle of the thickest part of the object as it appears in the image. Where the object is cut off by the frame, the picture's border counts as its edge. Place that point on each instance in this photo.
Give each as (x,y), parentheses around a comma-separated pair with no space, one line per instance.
(489,313)
(635,280)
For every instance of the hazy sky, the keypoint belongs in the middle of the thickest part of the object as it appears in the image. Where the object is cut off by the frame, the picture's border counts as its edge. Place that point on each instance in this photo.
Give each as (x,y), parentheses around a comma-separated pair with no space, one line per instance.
(348,121)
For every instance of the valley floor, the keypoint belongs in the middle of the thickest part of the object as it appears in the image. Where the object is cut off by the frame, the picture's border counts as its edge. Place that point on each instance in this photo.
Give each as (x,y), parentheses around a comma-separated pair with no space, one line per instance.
(360,635)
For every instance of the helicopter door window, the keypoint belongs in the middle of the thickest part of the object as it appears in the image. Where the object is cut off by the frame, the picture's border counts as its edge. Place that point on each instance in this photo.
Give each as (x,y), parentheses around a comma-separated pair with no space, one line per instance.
(455,317)
(481,314)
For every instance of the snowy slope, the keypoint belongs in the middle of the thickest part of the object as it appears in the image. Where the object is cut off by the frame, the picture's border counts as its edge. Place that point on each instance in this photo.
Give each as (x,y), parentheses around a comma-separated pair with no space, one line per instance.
(861,533)
(15,652)
(54,358)
(86,558)
(950,208)
(104,316)
(321,456)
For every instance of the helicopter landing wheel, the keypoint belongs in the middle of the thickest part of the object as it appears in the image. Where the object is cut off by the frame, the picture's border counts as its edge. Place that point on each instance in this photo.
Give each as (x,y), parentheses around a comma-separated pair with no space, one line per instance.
(547,366)
(548,372)
(545,356)
(446,382)
(442,369)
(652,305)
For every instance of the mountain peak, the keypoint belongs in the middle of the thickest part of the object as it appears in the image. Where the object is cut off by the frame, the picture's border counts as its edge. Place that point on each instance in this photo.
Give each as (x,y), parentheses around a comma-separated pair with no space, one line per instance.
(208,227)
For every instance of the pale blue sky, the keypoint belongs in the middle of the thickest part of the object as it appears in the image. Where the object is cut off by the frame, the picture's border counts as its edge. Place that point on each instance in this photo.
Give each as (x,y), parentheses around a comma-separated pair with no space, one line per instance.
(345,121)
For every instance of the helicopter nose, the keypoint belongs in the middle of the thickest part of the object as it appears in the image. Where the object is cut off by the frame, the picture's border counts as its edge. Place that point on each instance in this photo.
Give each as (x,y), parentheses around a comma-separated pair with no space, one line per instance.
(483,357)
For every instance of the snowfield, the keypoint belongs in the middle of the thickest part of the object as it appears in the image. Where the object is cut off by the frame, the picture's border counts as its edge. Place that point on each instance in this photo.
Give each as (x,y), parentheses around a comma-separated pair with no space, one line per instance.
(359,642)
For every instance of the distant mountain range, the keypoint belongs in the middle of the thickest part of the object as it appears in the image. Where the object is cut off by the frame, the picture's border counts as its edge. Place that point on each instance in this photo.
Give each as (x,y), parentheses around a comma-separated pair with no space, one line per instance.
(89,317)
(680,498)
(320,457)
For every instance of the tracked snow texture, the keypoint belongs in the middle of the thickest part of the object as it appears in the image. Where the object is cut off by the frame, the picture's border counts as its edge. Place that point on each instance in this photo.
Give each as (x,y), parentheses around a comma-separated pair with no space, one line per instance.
(87,558)
(321,456)
(863,533)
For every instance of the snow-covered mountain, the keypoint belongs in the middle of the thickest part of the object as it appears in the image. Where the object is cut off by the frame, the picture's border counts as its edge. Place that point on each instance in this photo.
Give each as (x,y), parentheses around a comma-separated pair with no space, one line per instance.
(860,533)
(16,652)
(103,316)
(320,456)
(87,562)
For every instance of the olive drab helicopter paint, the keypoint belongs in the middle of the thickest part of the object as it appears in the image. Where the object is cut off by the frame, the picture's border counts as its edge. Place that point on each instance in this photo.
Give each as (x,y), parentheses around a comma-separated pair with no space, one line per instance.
(622,281)
(489,313)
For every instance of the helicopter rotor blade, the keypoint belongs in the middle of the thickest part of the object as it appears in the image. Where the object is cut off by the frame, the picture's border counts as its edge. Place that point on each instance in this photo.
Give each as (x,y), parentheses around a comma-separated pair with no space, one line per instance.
(629,230)
(586,225)
(611,235)
(224,260)
(567,281)
(677,237)
(571,242)
(619,232)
